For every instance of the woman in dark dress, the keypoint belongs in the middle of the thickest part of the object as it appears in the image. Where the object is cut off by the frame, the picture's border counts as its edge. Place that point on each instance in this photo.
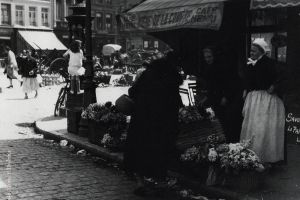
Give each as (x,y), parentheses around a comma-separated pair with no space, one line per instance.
(220,79)
(28,71)
(264,113)
(154,123)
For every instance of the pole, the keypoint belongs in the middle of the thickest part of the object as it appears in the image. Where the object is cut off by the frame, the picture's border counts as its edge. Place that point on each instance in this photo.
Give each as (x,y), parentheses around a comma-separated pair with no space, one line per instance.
(89,95)
(89,89)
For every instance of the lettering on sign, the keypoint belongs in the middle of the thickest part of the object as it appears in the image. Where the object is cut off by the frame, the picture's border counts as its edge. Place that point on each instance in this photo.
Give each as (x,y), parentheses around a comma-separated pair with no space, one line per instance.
(293,126)
(207,16)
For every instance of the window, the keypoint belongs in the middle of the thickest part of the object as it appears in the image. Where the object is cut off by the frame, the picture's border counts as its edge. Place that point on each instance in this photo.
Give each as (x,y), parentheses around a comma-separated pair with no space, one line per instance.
(59,10)
(45,16)
(156,44)
(20,15)
(146,44)
(276,52)
(108,22)
(5,14)
(109,2)
(270,24)
(32,16)
(99,21)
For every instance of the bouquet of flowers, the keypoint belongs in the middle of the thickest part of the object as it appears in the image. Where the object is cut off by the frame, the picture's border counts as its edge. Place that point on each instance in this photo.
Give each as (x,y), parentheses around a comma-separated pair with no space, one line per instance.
(101,77)
(122,81)
(189,114)
(114,121)
(96,111)
(238,156)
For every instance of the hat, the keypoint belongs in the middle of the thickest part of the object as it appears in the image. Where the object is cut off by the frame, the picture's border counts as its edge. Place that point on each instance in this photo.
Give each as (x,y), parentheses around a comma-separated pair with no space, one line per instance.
(262,44)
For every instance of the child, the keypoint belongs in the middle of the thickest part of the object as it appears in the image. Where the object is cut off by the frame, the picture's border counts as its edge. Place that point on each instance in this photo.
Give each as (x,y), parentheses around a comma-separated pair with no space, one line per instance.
(75,68)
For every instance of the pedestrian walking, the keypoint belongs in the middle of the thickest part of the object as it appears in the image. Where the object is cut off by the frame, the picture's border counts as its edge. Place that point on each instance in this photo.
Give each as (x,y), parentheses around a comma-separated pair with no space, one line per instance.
(264,112)
(75,68)
(28,70)
(154,123)
(11,68)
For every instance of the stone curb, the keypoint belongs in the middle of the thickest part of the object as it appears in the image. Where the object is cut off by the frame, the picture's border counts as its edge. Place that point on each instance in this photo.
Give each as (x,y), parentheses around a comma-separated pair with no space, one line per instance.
(91,148)
(96,150)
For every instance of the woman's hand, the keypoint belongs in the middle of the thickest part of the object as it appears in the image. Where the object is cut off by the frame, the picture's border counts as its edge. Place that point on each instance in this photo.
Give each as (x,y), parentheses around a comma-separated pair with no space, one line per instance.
(271,89)
(244,94)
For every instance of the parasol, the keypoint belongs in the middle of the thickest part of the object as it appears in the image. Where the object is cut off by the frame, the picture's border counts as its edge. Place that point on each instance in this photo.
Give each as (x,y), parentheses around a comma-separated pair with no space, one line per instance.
(108,49)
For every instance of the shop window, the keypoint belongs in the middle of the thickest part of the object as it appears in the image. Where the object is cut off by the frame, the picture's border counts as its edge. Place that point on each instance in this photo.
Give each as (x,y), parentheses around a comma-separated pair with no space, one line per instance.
(99,21)
(20,15)
(269,17)
(5,14)
(45,17)
(156,44)
(146,44)
(276,42)
(32,16)
(108,22)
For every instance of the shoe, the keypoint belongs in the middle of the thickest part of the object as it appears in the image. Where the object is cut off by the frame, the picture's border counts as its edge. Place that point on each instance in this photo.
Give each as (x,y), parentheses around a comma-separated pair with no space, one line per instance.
(10,86)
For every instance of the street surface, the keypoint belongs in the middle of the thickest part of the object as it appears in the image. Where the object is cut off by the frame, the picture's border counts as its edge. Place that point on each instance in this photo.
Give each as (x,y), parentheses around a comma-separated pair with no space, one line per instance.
(34,169)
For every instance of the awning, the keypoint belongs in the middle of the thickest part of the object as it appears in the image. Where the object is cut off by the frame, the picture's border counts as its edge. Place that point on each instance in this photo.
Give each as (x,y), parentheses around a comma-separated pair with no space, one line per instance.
(42,40)
(262,4)
(153,15)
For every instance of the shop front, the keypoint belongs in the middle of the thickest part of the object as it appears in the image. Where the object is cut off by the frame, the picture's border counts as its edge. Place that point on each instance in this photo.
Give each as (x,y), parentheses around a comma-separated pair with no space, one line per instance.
(189,26)
(278,22)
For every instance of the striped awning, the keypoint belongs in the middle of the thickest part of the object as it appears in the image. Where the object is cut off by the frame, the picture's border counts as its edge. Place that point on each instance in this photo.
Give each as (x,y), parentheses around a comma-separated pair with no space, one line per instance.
(153,15)
(262,4)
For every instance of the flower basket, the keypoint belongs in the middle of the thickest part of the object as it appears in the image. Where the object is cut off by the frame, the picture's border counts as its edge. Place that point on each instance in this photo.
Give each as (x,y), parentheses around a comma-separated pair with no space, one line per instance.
(244,181)
(96,131)
(197,132)
(194,170)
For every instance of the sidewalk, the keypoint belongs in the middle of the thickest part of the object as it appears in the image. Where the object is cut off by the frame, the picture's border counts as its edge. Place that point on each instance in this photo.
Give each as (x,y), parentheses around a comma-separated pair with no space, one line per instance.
(282,183)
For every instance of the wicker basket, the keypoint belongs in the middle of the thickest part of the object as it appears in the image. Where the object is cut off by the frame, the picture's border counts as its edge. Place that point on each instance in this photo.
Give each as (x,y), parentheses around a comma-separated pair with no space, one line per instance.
(197,133)
(245,181)
(96,131)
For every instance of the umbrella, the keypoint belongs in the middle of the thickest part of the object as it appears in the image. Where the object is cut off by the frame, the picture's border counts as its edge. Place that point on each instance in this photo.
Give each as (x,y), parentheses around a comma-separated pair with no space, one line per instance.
(108,49)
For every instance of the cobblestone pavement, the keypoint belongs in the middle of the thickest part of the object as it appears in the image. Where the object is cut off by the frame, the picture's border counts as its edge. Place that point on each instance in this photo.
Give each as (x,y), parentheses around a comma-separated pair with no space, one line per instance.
(34,169)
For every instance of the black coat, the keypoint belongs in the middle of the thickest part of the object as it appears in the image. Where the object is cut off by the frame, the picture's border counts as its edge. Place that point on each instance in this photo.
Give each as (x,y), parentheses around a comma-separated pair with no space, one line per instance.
(262,75)
(28,65)
(154,123)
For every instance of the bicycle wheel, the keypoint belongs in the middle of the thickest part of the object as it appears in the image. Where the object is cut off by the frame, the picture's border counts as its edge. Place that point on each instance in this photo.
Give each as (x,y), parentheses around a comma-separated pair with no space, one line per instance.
(60,100)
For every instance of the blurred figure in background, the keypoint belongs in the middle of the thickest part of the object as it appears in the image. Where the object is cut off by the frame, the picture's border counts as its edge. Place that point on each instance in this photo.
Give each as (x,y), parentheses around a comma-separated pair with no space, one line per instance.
(75,68)
(28,70)
(11,66)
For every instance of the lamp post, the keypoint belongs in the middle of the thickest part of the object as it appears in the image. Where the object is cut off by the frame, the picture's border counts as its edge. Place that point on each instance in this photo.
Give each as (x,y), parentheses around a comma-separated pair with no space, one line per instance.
(79,23)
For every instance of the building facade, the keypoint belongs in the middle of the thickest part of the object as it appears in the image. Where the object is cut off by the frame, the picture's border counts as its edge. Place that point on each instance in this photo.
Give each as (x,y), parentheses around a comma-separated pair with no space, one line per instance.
(16,15)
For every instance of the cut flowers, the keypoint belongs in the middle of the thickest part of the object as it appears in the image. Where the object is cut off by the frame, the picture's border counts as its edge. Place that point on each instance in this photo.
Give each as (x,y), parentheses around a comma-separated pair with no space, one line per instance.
(114,121)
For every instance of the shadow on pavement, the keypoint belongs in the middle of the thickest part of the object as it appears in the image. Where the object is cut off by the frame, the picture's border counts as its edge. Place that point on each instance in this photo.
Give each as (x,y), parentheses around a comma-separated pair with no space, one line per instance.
(25,124)
(51,118)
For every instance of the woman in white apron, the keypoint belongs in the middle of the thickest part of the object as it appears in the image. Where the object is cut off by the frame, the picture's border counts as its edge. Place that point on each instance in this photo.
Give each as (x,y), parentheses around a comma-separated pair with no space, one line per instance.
(264,113)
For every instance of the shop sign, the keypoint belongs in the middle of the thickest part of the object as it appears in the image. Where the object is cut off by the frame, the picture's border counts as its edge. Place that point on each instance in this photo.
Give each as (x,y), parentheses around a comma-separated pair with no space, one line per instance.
(5,31)
(202,16)
(261,4)
(293,127)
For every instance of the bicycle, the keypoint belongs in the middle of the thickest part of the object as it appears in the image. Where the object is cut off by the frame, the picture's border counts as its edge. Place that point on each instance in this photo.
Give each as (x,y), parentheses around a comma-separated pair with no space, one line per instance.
(60,65)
